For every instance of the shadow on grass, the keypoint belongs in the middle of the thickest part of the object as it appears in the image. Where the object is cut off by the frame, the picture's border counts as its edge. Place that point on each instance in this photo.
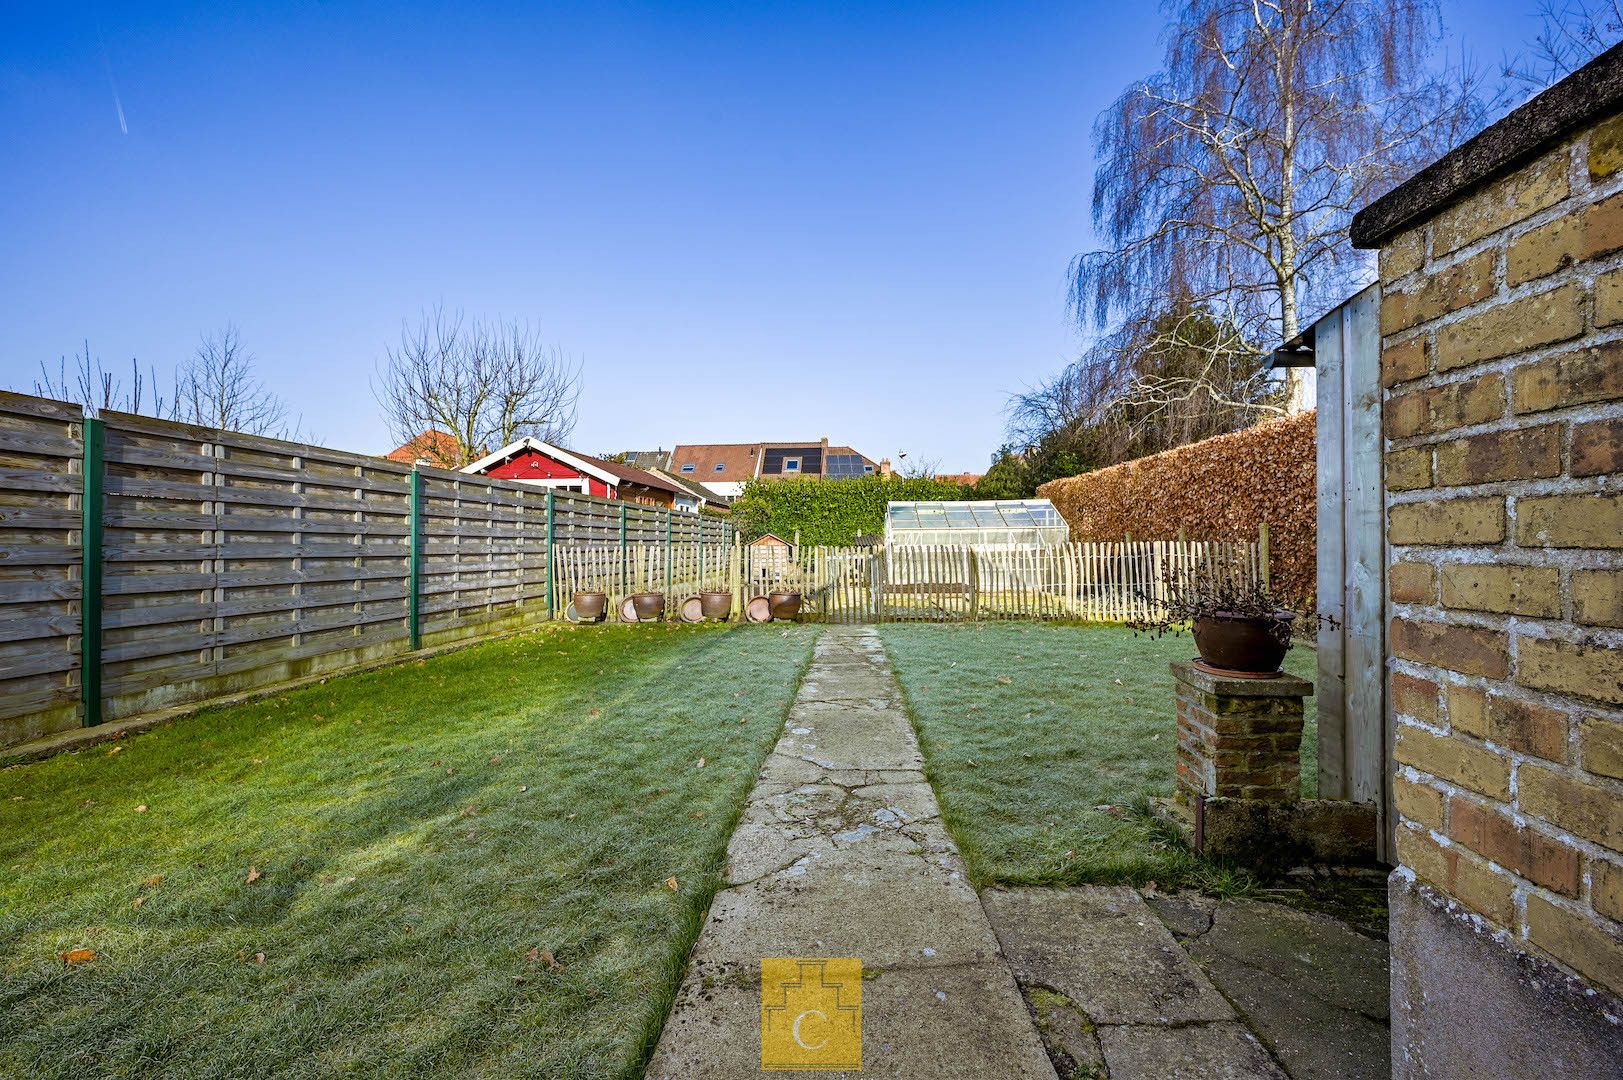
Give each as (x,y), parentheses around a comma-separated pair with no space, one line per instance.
(417,832)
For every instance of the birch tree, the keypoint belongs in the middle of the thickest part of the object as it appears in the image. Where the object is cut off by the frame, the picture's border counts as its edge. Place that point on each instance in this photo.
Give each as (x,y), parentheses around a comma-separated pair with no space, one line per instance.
(1226,180)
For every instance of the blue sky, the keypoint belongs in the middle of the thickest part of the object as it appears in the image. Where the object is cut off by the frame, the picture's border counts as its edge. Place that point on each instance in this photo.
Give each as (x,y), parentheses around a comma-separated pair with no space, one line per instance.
(749,221)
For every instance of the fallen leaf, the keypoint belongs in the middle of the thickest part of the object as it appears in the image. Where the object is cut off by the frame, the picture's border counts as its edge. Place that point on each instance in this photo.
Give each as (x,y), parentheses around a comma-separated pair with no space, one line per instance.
(971,763)
(115,750)
(1004,679)
(495,759)
(470,811)
(533,955)
(141,809)
(1071,854)
(670,883)
(138,901)
(1150,887)
(259,958)
(700,765)
(254,874)
(152,882)
(78,956)
(524,787)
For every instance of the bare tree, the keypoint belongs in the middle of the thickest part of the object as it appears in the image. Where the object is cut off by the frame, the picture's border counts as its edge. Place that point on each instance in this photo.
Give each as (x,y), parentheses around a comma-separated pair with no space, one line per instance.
(91,385)
(1149,385)
(217,387)
(484,384)
(1571,33)
(1226,181)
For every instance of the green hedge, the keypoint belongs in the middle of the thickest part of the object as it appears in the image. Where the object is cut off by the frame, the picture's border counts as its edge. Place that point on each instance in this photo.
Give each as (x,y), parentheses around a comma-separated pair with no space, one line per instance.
(830,512)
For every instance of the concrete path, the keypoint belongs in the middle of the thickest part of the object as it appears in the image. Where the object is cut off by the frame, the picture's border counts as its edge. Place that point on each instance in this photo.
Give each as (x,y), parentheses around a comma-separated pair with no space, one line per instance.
(841,853)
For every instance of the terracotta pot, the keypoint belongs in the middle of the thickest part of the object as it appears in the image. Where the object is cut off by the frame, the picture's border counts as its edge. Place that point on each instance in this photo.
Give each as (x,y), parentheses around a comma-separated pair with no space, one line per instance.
(1241,643)
(648,605)
(716,605)
(784,605)
(591,605)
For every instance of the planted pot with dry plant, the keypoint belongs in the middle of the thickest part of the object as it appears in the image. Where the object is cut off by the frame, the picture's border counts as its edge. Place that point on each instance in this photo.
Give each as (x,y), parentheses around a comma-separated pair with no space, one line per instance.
(1240,628)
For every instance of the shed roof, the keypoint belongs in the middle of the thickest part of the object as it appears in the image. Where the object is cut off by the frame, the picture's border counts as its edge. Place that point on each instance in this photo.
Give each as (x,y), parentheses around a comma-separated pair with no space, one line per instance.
(1589,94)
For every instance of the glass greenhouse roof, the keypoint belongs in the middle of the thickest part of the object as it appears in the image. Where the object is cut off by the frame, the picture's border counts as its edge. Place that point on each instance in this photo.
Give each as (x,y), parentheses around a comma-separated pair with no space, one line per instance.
(990,514)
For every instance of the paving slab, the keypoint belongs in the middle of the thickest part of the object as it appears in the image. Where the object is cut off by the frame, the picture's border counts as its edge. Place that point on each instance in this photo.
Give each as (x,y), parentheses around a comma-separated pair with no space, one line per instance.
(840,852)
(1104,949)
(1226,1051)
(1313,989)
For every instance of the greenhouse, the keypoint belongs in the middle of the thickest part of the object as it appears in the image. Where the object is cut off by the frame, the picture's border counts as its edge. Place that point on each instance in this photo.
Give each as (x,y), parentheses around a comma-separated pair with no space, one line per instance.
(996,523)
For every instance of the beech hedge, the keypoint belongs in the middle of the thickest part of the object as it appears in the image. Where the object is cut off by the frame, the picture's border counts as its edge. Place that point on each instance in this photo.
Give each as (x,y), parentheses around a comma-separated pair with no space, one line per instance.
(831,512)
(1217,489)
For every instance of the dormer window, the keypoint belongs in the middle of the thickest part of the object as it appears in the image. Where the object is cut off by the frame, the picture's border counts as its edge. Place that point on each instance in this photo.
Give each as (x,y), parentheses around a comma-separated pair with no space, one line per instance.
(791,464)
(688,467)
(721,466)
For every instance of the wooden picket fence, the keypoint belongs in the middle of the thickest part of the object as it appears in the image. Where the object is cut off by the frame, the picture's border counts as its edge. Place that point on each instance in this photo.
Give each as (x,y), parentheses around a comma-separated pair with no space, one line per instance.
(1103,582)
(1106,582)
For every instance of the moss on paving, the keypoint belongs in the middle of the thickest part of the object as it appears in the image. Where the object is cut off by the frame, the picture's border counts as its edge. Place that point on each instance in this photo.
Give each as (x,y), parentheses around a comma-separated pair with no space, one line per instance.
(1045,743)
(416,832)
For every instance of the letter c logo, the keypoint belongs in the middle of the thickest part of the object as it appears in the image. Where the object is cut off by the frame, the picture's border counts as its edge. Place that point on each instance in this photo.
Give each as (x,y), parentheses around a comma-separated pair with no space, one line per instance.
(801,1042)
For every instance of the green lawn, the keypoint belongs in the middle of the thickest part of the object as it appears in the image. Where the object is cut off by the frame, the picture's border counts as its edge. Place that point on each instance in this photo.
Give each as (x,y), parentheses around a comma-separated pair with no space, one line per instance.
(359,877)
(1043,778)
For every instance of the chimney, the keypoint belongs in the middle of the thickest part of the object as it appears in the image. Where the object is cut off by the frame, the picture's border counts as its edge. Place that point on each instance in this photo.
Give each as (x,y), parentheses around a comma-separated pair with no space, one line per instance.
(822,460)
(884,468)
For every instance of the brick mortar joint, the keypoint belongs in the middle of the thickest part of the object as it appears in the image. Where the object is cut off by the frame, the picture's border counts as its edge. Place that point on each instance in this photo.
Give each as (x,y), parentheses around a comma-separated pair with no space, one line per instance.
(1521,887)
(1446,679)
(1591,338)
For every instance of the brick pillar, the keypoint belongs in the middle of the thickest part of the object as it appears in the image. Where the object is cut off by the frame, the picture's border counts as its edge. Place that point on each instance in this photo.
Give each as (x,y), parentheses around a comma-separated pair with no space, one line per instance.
(1239,738)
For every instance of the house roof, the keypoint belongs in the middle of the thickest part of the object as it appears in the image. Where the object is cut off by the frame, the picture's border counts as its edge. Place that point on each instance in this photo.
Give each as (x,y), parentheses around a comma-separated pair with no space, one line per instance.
(692,487)
(742,460)
(610,472)
(647,459)
(433,446)
(1589,94)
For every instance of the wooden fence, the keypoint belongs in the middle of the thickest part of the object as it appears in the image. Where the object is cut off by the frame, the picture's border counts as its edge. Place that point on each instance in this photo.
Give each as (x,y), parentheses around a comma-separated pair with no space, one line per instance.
(147,564)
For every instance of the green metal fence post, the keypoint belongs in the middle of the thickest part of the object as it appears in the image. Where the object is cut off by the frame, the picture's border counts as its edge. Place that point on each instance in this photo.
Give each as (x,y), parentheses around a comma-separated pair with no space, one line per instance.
(622,551)
(551,534)
(90,574)
(667,556)
(415,569)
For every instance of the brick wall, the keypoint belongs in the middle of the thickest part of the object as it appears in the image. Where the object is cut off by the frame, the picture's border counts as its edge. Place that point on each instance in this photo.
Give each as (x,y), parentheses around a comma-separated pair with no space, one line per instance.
(1502,359)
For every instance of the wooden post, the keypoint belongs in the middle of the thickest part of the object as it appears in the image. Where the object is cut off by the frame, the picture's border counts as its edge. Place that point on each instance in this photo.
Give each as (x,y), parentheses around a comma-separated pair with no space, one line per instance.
(974,587)
(90,572)
(552,534)
(1263,567)
(414,562)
